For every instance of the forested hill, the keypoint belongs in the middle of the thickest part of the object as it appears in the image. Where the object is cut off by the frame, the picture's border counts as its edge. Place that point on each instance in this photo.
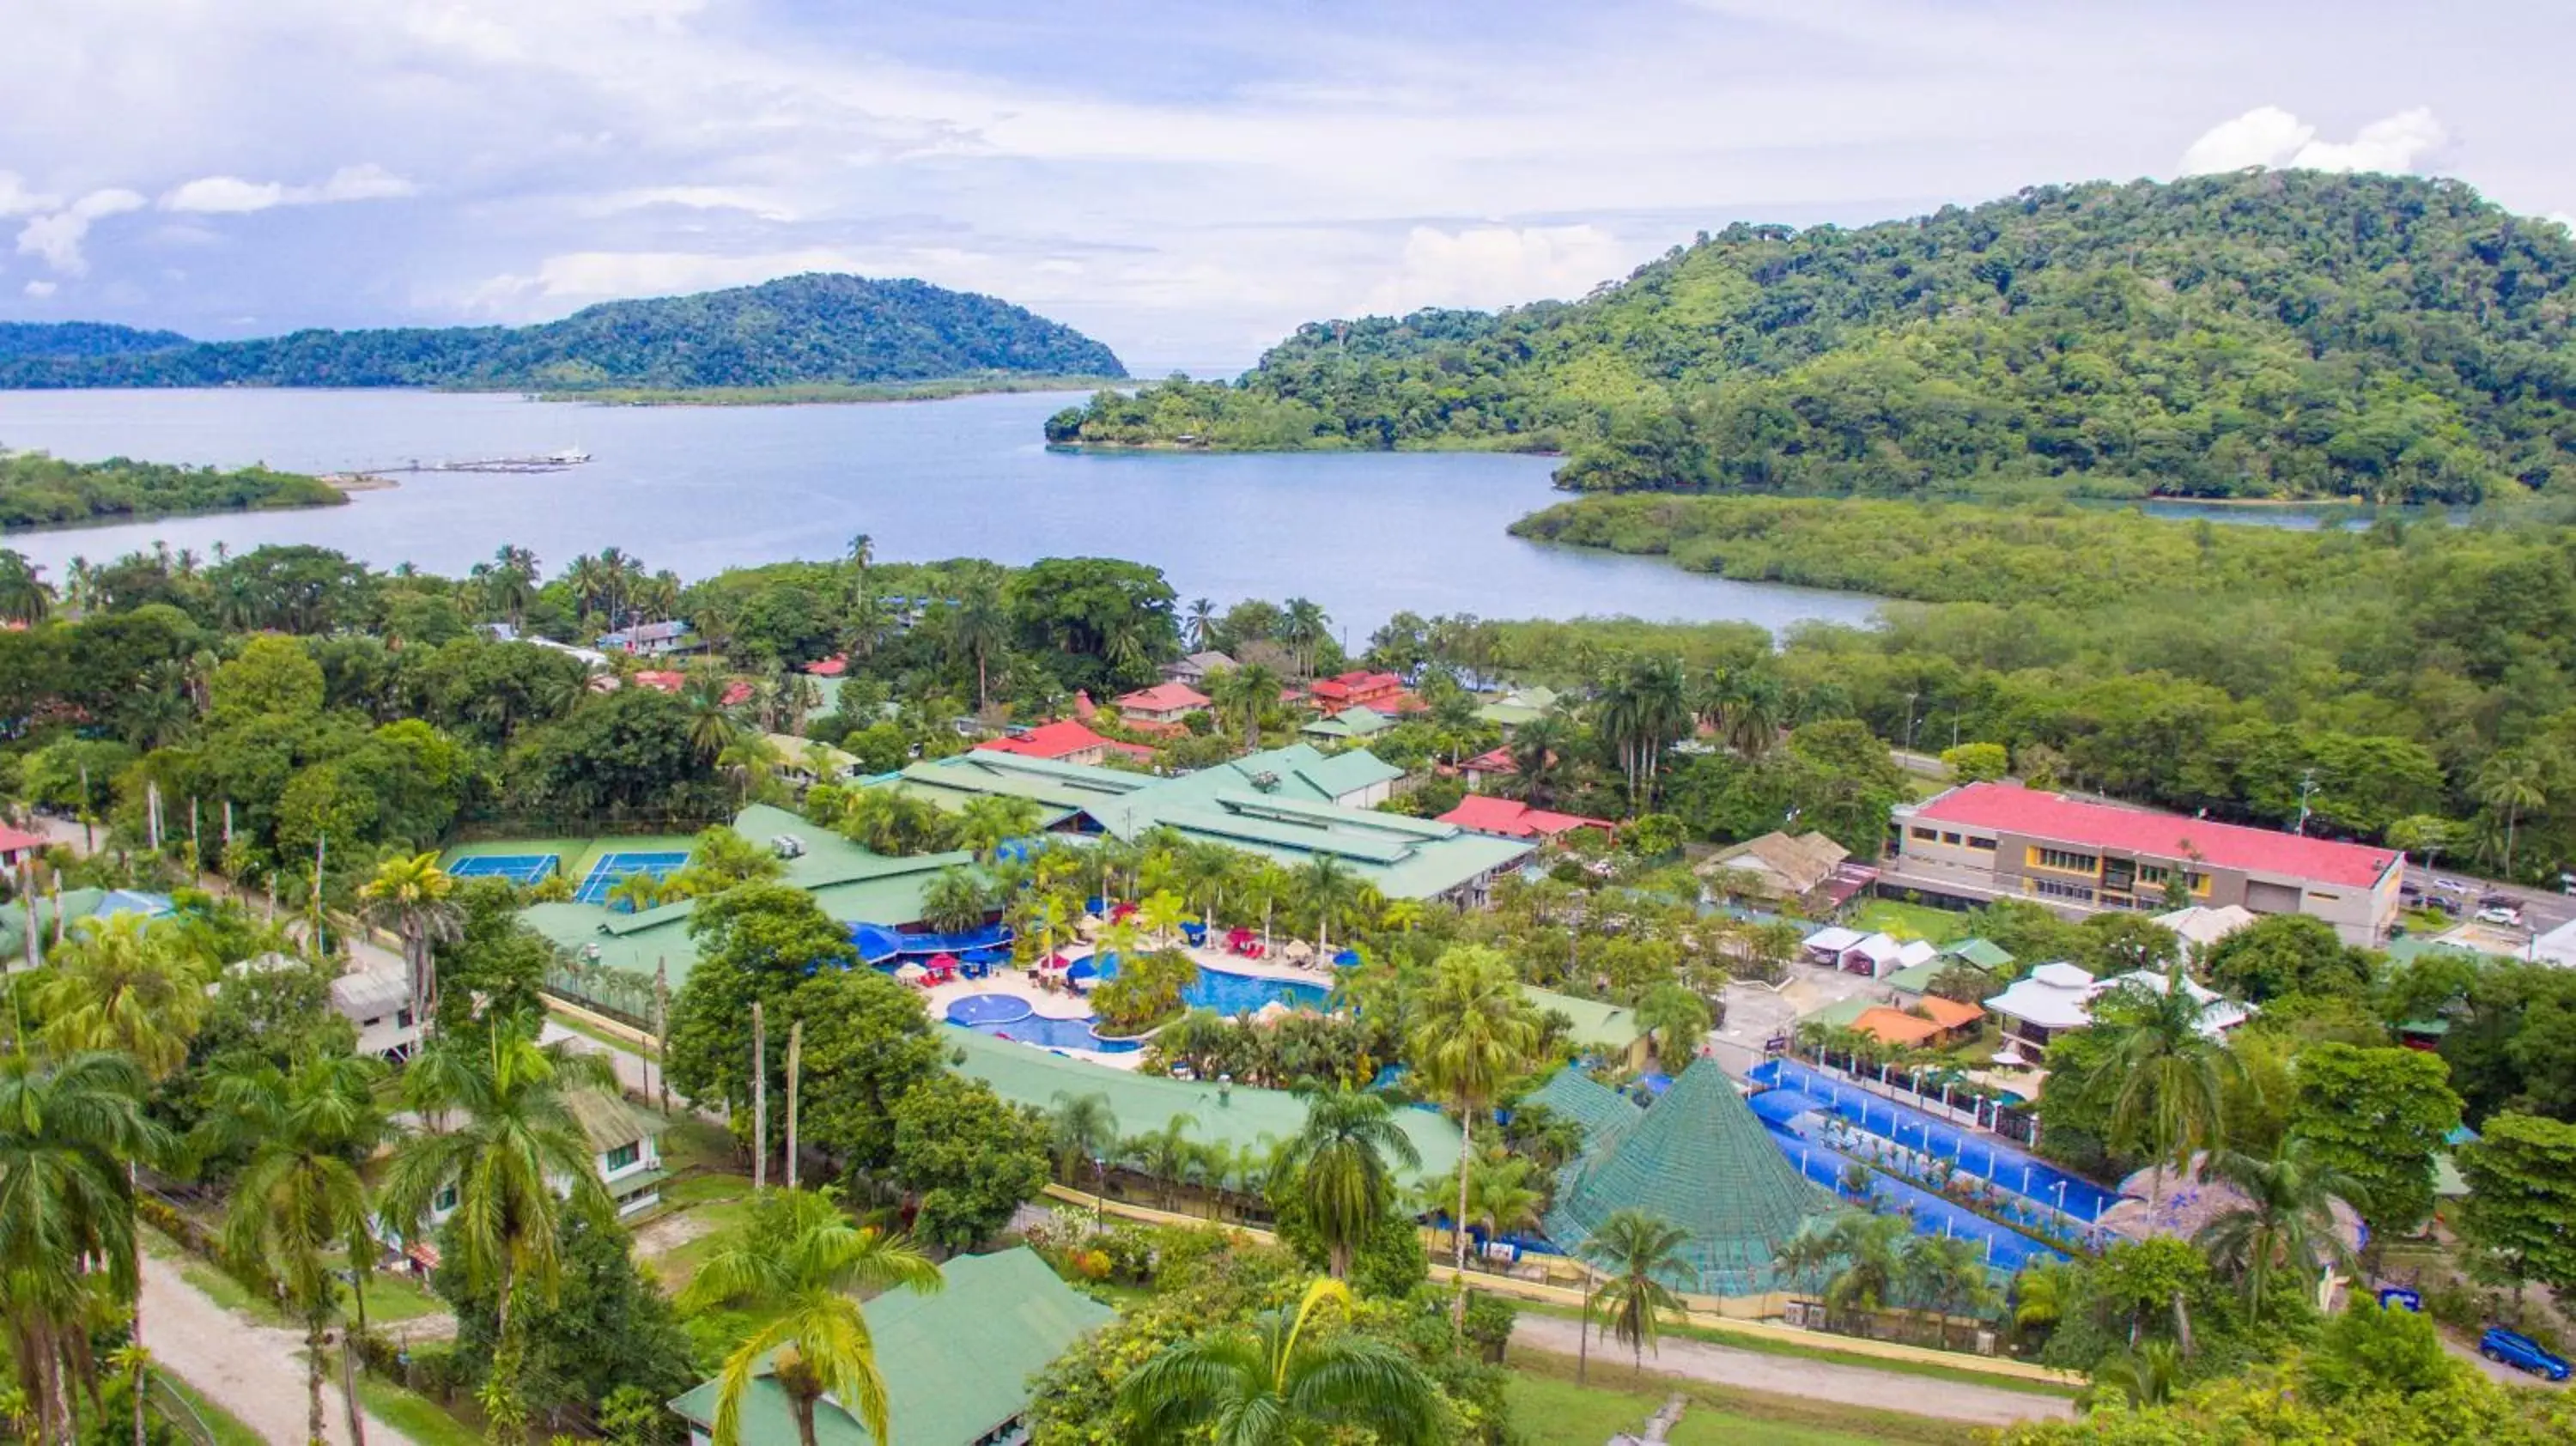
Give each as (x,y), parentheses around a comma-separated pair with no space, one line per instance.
(2263,334)
(23,339)
(801,330)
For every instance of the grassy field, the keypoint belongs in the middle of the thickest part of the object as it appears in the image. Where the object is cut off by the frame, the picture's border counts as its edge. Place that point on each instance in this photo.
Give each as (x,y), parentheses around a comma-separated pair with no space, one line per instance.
(1910,921)
(1551,1410)
(1768,1346)
(423,1420)
(391,1298)
(222,1424)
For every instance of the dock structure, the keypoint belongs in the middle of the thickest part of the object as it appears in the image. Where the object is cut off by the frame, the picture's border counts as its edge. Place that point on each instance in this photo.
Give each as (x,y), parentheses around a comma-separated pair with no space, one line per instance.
(542,462)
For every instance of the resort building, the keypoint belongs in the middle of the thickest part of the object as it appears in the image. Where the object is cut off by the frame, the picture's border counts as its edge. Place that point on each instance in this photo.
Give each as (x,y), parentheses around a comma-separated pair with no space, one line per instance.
(1351,725)
(1929,1024)
(1914,981)
(625,1153)
(2055,998)
(1383,691)
(1194,669)
(958,1363)
(1784,868)
(1988,841)
(2200,926)
(1290,804)
(376,1000)
(1486,767)
(652,640)
(1067,740)
(1511,818)
(1518,707)
(17,846)
(1161,707)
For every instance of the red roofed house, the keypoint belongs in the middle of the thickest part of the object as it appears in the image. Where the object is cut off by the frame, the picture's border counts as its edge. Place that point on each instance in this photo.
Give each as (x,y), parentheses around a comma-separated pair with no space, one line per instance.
(1161,707)
(831,667)
(1484,767)
(661,680)
(1999,840)
(1066,740)
(17,846)
(1352,690)
(1512,818)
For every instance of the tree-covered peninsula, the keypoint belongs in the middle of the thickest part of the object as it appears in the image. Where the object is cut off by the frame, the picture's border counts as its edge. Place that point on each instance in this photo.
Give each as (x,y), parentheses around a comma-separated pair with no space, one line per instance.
(41,491)
(803,330)
(2261,335)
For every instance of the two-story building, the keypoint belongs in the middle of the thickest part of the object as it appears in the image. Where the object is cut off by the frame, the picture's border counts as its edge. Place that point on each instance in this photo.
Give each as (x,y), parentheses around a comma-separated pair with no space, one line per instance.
(625,1153)
(1988,841)
(1356,689)
(652,640)
(1161,707)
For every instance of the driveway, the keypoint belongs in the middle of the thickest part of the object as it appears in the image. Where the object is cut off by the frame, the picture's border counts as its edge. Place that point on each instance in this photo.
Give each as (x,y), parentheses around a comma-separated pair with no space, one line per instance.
(1817,1380)
(254,1371)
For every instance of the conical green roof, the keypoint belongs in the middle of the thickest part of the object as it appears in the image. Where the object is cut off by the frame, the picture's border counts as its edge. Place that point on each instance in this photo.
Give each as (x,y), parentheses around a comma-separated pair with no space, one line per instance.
(1701,1160)
(1599,1109)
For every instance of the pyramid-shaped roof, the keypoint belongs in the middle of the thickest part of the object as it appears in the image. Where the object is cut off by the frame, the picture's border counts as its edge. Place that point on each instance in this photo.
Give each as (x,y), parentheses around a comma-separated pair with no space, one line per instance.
(1599,1109)
(1701,1160)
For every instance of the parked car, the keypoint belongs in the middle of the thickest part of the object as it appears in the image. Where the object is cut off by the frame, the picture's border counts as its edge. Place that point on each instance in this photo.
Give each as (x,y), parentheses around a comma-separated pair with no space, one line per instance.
(2500,914)
(2520,1352)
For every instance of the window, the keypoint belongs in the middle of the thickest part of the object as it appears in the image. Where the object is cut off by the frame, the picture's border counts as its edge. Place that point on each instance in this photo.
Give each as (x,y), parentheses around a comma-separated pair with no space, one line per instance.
(1981,843)
(2051,888)
(1951,839)
(402,1017)
(1927,835)
(2065,862)
(446,1199)
(624,1155)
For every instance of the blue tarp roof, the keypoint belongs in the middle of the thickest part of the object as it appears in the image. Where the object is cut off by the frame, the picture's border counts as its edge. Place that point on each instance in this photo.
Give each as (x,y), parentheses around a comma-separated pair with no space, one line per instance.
(878,944)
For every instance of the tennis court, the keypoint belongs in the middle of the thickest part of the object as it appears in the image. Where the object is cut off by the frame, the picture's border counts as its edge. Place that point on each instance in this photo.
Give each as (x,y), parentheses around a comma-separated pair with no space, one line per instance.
(521,869)
(615,868)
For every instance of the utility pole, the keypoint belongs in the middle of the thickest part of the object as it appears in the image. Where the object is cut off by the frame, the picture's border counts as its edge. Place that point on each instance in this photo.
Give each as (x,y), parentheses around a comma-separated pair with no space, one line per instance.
(795,1055)
(759,1100)
(662,1031)
(1909,720)
(2307,785)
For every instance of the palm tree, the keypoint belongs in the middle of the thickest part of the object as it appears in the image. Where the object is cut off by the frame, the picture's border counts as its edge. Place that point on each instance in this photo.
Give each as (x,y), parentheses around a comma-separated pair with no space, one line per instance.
(1081,1130)
(1501,1195)
(799,1264)
(1246,692)
(1200,620)
(2163,1071)
(125,984)
(977,629)
(1472,1032)
(299,1198)
(2286,1218)
(510,582)
(411,893)
(1340,1157)
(1279,1383)
(24,596)
(2146,1375)
(987,823)
(1304,629)
(2512,784)
(1160,914)
(1163,1154)
(1636,1251)
(504,1139)
(711,722)
(1326,887)
(1947,1275)
(1673,1020)
(955,902)
(1535,749)
(70,1132)
(2041,1294)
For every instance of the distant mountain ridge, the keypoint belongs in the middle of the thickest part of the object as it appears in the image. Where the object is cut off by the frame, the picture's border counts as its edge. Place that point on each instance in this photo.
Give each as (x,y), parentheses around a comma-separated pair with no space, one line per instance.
(815,328)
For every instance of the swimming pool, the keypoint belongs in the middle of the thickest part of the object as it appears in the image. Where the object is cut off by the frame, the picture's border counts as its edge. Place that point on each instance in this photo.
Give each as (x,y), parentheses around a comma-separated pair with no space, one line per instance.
(1005,1017)
(1230,994)
(1978,1154)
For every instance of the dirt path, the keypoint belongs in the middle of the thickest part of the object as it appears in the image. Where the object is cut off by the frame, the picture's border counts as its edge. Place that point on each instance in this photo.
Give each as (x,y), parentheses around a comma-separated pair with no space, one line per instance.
(254,1371)
(1818,1380)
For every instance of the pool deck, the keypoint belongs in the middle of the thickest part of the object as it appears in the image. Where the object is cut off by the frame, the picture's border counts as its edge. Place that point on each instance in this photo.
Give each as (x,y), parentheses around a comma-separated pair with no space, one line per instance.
(1057,1004)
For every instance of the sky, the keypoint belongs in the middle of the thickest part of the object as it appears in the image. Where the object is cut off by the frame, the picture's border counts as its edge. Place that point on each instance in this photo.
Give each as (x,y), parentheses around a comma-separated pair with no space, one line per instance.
(1186,182)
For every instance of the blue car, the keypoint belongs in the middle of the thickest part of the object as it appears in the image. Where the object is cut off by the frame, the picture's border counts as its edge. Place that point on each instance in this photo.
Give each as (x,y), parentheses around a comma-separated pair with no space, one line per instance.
(2520,1352)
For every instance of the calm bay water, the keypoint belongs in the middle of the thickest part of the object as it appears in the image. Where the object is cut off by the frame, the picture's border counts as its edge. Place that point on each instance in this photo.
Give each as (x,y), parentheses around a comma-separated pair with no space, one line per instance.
(698,489)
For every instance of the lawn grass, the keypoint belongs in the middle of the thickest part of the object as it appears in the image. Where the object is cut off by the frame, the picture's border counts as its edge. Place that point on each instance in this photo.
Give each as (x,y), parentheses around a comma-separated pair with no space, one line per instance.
(418,1417)
(226,1428)
(1909,921)
(392,1298)
(1551,1410)
(1766,1345)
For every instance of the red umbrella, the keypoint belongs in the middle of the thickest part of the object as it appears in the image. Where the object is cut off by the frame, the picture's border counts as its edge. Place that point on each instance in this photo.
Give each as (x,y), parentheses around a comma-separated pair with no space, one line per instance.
(943,961)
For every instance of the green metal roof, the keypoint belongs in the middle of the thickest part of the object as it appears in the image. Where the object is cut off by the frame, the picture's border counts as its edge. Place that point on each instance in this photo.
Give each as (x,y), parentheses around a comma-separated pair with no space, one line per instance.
(957,1363)
(1840,1014)
(1701,1160)
(1983,953)
(1360,722)
(1915,978)
(1601,1110)
(1598,1024)
(1027,1075)
(1515,709)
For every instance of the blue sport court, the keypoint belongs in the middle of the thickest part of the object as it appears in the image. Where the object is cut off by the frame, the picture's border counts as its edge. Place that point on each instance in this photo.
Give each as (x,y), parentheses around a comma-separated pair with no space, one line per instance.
(521,869)
(615,868)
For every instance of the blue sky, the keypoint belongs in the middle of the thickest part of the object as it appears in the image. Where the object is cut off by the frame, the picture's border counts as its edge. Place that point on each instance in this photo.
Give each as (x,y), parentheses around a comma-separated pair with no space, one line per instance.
(1184,181)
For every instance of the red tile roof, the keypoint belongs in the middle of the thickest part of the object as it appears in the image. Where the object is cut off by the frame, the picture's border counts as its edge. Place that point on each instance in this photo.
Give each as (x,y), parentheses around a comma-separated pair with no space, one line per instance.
(2009,806)
(1163,698)
(831,667)
(1950,1013)
(14,839)
(1494,760)
(1513,819)
(660,680)
(1061,739)
(1358,684)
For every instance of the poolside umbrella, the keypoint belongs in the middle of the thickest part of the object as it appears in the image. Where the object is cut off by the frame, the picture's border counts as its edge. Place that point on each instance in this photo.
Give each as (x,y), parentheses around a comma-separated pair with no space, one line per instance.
(911,973)
(943,961)
(1270,1013)
(1299,951)
(1347,959)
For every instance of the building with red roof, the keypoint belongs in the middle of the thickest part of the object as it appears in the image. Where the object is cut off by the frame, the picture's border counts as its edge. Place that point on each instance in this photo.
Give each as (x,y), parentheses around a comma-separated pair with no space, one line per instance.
(831,667)
(1511,818)
(1066,740)
(1987,841)
(1356,689)
(1162,706)
(661,680)
(17,846)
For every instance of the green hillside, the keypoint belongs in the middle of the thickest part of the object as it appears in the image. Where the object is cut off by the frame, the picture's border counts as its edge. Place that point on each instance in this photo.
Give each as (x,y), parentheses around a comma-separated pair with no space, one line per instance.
(41,491)
(809,329)
(2265,334)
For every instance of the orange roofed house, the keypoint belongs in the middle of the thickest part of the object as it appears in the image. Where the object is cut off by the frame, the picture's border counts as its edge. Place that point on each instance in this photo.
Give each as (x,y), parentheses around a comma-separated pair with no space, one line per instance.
(1512,818)
(1361,689)
(1160,709)
(1066,740)
(1988,841)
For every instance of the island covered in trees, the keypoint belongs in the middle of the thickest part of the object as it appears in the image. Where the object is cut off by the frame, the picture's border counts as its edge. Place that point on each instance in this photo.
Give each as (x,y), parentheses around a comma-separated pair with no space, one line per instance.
(2256,335)
(37,490)
(816,329)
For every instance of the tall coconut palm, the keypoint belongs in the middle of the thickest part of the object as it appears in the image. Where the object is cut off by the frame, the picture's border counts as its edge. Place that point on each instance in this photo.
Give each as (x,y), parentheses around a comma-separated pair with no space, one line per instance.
(1305,627)
(125,984)
(955,902)
(1199,620)
(1636,1251)
(1282,1382)
(1081,1130)
(1536,747)
(510,582)
(1326,888)
(798,1265)
(503,1137)
(977,630)
(2163,1072)
(985,824)
(24,595)
(1503,1195)
(712,725)
(1472,1031)
(1673,1019)
(300,1198)
(2511,785)
(2286,1217)
(1343,1158)
(1946,1275)
(70,1132)
(413,896)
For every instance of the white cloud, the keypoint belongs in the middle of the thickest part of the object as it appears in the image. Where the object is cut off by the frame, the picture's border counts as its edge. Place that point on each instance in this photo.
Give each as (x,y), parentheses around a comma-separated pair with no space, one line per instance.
(17,200)
(2270,136)
(1491,266)
(57,236)
(231,195)
(693,198)
(39,290)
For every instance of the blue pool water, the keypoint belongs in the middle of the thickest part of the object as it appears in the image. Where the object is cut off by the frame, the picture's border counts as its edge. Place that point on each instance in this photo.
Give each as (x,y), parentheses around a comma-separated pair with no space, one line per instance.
(2006,1250)
(1231,994)
(1983,1156)
(1004,1017)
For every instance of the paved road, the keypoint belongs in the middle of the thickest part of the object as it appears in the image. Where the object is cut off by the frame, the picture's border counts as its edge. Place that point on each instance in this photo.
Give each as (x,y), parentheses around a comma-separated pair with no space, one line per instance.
(1817,1380)
(254,1371)
(2542,909)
